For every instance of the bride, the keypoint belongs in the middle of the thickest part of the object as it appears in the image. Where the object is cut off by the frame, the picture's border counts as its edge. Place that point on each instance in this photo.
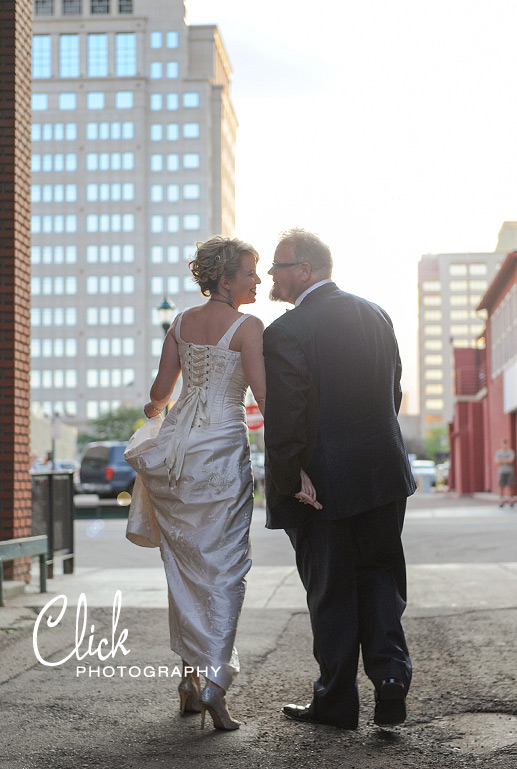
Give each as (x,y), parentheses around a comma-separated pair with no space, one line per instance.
(198,495)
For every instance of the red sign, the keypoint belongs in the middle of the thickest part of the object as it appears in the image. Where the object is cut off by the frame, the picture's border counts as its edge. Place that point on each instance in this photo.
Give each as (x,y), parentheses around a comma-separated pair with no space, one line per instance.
(254,417)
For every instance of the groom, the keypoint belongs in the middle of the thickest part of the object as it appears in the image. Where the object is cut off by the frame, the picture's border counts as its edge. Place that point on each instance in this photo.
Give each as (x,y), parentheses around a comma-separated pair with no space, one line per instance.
(333,394)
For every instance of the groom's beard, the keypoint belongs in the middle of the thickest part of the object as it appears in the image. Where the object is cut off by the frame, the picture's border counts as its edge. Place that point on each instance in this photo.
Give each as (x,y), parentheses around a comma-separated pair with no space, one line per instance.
(274,294)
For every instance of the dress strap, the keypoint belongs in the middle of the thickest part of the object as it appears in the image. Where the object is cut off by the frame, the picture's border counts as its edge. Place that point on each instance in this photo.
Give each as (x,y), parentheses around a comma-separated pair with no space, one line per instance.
(224,342)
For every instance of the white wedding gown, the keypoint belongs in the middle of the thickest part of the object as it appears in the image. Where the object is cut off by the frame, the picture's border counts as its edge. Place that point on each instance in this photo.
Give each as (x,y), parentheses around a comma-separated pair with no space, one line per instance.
(194,497)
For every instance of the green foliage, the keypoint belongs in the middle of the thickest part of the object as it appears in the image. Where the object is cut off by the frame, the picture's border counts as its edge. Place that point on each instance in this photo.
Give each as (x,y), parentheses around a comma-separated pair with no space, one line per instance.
(436,441)
(115,426)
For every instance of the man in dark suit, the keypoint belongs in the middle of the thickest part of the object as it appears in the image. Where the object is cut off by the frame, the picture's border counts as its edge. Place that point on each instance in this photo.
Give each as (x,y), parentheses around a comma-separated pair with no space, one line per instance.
(333,394)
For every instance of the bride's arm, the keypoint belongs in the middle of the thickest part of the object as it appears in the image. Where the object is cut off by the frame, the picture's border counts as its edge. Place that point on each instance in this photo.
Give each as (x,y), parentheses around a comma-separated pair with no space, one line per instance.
(167,376)
(252,359)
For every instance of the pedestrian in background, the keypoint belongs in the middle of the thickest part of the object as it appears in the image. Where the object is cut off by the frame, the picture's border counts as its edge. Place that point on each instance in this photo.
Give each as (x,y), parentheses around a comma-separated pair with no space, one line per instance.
(504,459)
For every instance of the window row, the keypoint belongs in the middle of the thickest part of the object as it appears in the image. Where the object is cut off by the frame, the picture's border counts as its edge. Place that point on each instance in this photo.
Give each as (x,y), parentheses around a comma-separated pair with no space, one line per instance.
(113,254)
(59,162)
(95,409)
(57,193)
(115,377)
(172,222)
(114,191)
(54,255)
(159,69)
(63,408)
(162,286)
(110,284)
(471,285)
(475,268)
(48,286)
(57,223)
(110,161)
(189,100)
(98,64)
(68,100)
(171,131)
(110,223)
(157,253)
(57,378)
(53,316)
(171,162)
(160,39)
(171,192)
(53,131)
(75,8)
(53,348)
(114,131)
(112,347)
(106,316)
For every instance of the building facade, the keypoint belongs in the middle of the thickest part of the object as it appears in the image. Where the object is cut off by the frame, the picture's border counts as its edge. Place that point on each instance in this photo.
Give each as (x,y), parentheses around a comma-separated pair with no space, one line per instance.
(486,389)
(133,139)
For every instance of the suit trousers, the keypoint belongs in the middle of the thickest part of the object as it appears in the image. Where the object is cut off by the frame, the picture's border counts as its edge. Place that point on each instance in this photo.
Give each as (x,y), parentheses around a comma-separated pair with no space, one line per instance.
(354,572)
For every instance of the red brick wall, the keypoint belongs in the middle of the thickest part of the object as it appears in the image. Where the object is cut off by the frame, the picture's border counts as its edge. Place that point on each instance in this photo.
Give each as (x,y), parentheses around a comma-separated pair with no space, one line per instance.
(15,151)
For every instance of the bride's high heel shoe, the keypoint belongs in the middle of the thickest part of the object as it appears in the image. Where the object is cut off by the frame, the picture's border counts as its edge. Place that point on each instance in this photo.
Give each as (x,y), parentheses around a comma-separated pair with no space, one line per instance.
(189,692)
(216,706)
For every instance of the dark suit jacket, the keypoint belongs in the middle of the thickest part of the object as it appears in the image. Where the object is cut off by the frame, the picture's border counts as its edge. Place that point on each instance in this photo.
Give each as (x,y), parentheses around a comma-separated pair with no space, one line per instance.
(333,394)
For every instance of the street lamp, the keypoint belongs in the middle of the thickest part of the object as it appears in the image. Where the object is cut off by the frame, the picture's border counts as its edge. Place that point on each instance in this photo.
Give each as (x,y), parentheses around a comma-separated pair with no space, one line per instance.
(166,312)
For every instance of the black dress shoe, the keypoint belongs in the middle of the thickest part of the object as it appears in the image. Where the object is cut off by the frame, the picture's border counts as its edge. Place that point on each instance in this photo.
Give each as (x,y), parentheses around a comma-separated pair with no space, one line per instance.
(300,713)
(390,703)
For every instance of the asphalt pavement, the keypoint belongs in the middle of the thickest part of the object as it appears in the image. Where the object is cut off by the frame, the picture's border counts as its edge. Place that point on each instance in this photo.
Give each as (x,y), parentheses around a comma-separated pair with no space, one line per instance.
(117,706)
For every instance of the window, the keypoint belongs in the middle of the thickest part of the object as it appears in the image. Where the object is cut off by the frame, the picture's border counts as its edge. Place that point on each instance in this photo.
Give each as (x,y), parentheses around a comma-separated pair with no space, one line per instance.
(460,330)
(458,285)
(458,301)
(156,223)
(172,69)
(478,268)
(95,100)
(128,191)
(173,254)
(67,101)
(156,132)
(189,285)
(69,56)
(97,55)
(432,315)
(433,360)
(191,222)
(191,160)
(433,344)
(39,101)
(434,389)
(156,285)
(124,99)
(189,252)
(72,7)
(191,130)
(173,162)
(156,193)
(41,56)
(127,130)
(432,330)
(125,6)
(173,192)
(191,192)
(156,162)
(125,54)
(43,7)
(478,285)
(70,132)
(36,132)
(157,254)
(155,39)
(459,314)
(128,161)
(431,285)
(156,70)
(191,100)
(156,101)
(173,132)
(172,101)
(99,6)
(173,223)
(172,39)
(434,404)
(457,270)
(173,284)
(71,162)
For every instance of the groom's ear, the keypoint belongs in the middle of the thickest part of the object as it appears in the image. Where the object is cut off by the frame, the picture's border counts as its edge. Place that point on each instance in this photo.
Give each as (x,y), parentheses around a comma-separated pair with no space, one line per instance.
(305,271)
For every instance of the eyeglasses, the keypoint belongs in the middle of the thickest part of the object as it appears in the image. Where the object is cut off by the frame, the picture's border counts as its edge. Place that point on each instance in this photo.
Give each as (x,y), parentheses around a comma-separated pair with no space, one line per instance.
(275,266)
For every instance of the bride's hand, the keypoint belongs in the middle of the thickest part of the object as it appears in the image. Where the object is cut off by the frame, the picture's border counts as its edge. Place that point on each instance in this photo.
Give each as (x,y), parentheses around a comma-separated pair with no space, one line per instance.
(307,493)
(150,411)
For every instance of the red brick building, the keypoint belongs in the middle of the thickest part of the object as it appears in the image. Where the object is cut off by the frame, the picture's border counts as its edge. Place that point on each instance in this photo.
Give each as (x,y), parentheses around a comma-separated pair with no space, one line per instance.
(486,389)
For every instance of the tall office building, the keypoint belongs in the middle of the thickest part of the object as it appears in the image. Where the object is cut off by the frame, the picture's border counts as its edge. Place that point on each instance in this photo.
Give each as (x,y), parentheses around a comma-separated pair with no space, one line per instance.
(450,287)
(133,162)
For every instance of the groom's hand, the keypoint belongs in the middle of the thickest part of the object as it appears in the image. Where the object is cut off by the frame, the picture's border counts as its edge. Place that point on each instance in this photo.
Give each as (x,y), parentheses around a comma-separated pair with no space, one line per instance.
(307,493)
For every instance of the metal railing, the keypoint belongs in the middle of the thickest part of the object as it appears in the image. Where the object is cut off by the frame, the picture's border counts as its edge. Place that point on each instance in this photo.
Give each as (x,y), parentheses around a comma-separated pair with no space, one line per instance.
(53,515)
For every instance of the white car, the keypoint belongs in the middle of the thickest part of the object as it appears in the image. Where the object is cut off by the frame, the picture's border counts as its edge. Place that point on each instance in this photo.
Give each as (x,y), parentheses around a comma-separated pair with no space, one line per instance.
(424,472)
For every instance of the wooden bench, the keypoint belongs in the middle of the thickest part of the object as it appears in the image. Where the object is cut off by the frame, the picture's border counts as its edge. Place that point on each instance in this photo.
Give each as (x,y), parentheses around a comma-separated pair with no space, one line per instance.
(20,548)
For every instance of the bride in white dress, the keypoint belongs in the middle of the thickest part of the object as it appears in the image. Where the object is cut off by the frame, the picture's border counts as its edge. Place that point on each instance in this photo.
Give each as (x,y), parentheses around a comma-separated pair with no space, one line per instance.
(194,492)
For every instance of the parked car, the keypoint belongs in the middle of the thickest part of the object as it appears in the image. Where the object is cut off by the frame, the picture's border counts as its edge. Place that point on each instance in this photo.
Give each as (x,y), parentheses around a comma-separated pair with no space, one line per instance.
(104,471)
(424,472)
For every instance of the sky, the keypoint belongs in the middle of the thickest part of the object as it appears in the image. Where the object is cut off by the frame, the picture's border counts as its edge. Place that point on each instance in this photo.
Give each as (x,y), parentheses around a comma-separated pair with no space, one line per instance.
(387,128)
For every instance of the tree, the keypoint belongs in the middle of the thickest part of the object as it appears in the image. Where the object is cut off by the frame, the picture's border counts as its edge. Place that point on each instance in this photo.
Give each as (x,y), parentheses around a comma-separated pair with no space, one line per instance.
(117,425)
(437,441)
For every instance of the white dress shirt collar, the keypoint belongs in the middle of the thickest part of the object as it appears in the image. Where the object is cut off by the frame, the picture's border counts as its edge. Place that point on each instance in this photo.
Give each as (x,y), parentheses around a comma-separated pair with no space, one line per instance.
(311,288)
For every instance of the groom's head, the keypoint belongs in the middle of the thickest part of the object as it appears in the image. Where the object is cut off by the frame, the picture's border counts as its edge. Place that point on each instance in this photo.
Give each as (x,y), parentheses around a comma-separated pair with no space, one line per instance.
(301,259)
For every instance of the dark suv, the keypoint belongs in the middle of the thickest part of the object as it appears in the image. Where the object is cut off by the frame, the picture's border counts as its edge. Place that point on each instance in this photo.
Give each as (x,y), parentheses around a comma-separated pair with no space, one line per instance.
(104,471)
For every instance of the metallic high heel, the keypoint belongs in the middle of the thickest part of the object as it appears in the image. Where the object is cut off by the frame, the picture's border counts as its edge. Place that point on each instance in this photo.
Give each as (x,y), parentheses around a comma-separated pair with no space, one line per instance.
(189,695)
(215,705)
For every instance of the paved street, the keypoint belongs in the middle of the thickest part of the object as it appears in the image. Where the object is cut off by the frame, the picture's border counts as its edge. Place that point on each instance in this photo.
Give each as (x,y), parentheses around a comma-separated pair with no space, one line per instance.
(461,625)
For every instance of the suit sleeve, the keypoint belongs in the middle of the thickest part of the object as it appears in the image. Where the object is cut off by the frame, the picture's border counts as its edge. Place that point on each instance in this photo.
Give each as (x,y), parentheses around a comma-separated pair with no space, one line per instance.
(288,387)
(397,388)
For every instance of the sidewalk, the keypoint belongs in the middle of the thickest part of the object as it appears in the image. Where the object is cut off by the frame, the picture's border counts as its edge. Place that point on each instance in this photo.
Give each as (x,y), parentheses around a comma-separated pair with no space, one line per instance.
(461,626)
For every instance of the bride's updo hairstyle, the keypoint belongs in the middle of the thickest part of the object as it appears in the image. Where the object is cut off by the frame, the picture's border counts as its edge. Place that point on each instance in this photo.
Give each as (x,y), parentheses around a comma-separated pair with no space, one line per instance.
(217,258)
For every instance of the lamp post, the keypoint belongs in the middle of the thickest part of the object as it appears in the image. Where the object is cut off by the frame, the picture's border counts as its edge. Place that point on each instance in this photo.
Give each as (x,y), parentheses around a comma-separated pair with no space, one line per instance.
(166,312)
